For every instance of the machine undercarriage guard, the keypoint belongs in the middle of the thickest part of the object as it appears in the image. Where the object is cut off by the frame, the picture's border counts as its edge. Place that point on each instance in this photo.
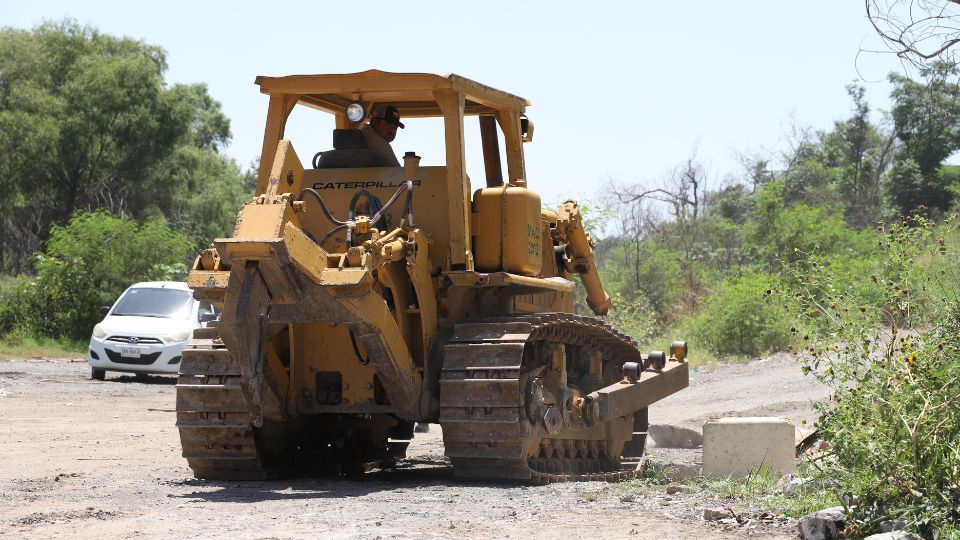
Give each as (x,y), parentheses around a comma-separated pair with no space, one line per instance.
(359,299)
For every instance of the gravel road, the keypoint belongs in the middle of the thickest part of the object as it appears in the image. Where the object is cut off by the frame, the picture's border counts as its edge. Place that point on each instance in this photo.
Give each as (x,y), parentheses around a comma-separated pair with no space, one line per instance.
(90,459)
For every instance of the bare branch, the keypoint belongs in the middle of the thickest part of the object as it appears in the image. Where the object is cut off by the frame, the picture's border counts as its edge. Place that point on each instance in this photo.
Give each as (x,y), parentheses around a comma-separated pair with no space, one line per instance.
(922,33)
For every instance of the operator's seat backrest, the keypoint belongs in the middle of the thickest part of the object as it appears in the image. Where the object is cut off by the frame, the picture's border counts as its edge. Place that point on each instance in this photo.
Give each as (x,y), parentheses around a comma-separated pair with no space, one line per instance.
(349,151)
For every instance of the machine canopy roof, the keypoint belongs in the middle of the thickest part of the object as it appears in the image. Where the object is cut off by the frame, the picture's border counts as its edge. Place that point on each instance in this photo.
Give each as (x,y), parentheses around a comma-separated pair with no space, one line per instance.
(411,93)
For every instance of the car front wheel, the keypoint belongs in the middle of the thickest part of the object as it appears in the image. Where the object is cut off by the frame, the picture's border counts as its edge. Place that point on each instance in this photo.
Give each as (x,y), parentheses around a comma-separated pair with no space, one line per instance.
(98,374)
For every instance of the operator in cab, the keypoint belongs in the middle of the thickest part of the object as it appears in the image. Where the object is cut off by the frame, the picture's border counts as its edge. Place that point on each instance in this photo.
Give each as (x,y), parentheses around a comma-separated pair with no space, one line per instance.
(382,130)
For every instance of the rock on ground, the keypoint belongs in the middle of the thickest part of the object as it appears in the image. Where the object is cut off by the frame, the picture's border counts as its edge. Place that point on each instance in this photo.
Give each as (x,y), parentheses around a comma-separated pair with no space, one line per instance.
(894,535)
(827,524)
(667,436)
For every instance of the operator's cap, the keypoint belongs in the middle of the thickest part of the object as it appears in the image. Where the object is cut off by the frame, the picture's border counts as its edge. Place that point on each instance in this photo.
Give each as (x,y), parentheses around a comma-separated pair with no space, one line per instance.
(387,113)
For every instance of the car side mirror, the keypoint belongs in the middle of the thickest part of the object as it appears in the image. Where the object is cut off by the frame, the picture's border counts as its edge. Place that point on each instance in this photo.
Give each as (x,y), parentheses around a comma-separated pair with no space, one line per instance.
(104,310)
(207,316)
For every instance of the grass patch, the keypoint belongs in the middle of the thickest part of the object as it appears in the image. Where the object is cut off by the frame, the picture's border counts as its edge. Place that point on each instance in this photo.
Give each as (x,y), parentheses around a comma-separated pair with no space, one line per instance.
(761,491)
(752,488)
(711,361)
(587,496)
(802,504)
(698,358)
(765,491)
(14,346)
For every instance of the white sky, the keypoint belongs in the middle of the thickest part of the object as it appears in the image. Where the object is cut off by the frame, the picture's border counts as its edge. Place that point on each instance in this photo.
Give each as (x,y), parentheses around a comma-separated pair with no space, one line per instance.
(621,90)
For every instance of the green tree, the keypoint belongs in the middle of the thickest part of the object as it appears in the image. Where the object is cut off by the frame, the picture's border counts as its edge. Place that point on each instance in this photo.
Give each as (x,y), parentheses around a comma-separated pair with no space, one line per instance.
(862,154)
(927,122)
(87,264)
(909,189)
(742,317)
(87,122)
(843,168)
(732,203)
(775,232)
(205,193)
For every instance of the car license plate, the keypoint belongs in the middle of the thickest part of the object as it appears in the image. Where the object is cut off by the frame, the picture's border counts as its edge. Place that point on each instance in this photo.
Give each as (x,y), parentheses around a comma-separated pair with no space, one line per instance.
(129,352)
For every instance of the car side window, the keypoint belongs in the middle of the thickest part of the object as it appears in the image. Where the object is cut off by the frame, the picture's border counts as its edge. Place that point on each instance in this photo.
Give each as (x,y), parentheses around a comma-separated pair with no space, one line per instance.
(207,312)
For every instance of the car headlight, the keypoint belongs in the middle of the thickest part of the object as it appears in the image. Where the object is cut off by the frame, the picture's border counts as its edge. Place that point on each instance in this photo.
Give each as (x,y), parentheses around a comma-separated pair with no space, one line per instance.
(179,335)
(99,332)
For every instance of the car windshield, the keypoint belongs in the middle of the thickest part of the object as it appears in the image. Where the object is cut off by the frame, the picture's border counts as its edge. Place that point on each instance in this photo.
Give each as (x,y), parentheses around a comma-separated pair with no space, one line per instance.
(153,302)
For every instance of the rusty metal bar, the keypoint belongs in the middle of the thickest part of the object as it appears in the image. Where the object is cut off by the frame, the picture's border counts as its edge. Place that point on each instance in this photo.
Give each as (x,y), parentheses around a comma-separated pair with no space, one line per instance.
(491,151)
(623,398)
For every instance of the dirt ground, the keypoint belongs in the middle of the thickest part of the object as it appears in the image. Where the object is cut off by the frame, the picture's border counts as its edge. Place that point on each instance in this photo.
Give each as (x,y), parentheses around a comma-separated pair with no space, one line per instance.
(90,459)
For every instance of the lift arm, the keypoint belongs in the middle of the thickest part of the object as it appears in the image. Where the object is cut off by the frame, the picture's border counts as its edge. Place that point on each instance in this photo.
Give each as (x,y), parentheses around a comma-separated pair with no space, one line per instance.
(578,257)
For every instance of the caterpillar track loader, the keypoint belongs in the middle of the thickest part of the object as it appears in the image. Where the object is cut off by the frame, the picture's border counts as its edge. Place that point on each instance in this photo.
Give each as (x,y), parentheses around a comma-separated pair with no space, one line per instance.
(358,299)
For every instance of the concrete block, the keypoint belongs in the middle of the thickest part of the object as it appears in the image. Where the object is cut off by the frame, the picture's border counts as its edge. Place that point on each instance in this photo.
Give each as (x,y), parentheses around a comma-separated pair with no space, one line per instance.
(740,446)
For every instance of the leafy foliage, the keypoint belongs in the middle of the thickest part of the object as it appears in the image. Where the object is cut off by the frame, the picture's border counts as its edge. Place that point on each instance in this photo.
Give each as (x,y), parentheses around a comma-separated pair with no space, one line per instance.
(648,270)
(892,417)
(843,169)
(634,317)
(927,117)
(732,203)
(203,194)
(775,230)
(87,122)
(742,317)
(88,263)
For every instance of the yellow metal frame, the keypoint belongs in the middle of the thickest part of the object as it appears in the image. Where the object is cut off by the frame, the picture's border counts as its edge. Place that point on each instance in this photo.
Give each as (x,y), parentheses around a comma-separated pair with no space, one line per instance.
(391,292)
(415,95)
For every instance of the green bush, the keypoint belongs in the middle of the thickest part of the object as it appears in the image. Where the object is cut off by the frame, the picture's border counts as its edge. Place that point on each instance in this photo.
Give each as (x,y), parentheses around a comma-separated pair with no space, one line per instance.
(776,231)
(646,268)
(87,264)
(634,317)
(11,308)
(893,418)
(742,317)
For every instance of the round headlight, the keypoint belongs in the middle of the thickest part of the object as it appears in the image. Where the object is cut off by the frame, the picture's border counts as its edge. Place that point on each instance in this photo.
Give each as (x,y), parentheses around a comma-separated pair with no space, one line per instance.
(99,332)
(356,112)
(179,335)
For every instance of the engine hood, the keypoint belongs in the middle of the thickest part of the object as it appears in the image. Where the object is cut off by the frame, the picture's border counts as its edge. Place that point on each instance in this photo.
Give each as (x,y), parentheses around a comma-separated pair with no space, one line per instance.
(143,326)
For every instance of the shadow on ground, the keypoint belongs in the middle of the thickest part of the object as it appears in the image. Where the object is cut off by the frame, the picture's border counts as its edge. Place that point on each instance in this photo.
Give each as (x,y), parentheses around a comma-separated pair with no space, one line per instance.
(143,379)
(409,475)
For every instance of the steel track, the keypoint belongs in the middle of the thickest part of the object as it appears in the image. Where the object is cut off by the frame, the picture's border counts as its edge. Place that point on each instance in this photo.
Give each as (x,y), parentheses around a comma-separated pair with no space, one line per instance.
(485,430)
(214,422)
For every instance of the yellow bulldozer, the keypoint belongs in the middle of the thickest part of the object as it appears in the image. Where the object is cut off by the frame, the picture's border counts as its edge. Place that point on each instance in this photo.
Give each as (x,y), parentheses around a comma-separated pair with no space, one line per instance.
(358,300)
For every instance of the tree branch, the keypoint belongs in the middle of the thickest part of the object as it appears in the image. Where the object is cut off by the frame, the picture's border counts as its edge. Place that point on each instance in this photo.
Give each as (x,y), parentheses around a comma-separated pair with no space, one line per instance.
(919,32)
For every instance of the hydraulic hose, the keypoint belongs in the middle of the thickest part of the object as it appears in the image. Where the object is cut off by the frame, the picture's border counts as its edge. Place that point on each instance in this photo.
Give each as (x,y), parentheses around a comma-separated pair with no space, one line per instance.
(332,232)
(375,207)
(323,205)
(408,187)
(377,216)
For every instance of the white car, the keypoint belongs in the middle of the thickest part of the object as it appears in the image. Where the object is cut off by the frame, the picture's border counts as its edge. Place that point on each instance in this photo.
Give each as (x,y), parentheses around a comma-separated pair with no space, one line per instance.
(147,329)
